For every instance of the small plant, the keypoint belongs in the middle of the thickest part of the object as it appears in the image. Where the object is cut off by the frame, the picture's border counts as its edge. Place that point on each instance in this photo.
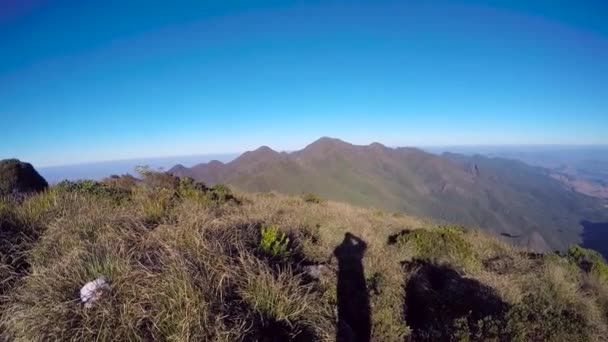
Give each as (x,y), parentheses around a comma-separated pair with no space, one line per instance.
(274,243)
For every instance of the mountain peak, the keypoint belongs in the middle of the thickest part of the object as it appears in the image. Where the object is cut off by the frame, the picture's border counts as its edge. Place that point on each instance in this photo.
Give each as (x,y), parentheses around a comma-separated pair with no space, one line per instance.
(377,146)
(325,143)
(261,154)
(329,141)
(264,149)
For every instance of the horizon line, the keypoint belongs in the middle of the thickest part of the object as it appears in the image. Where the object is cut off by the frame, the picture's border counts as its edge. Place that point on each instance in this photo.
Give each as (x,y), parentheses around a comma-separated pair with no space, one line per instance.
(508,145)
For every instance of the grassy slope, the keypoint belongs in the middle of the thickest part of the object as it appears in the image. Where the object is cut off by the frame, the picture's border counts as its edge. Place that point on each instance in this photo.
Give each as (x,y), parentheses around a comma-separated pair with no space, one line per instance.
(186,266)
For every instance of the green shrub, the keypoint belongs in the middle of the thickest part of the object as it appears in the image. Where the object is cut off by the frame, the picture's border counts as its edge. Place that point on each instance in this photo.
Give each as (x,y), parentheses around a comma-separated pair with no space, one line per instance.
(199,192)
(442,242)
(93,188)
(191,189)
(157,178)
(124,182)
(589,261)
(312,198)
(539,318)
(220,194)
(274,243)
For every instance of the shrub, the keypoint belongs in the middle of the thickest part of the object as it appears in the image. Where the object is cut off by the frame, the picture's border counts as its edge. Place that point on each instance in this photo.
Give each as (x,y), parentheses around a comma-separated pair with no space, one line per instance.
(589,261)
(124,182)
(189,188)
(93,188)
(220,194)
(199,192)
(273,243)
(157,178)
(312,198)
(441,242)
(538,318)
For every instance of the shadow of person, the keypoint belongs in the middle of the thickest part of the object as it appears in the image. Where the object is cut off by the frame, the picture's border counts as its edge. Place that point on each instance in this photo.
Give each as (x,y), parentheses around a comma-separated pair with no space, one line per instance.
(354,321)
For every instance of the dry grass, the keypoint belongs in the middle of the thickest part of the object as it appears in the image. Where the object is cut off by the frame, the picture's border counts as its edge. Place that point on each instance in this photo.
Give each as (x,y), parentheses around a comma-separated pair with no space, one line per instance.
(185,269)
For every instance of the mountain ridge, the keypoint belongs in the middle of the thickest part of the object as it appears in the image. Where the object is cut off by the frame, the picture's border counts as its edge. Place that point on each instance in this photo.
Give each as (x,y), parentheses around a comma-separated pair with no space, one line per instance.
(498,195)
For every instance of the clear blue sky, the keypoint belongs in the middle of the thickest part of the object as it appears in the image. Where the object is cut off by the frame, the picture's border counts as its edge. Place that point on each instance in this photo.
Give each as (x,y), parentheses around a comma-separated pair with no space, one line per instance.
(102,80)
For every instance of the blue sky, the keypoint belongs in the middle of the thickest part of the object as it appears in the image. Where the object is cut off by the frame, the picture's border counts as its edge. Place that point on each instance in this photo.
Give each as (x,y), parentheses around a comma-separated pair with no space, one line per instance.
(87,81)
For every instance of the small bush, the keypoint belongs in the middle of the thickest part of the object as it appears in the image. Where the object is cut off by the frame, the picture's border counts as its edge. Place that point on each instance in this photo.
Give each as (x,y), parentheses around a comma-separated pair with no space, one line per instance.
(199,192)
(93,188)
(442,242)
(312,198)
(124,182)
(538,318)
(189,188)
(220,194)
(589,261)
(273,243)
(157,178)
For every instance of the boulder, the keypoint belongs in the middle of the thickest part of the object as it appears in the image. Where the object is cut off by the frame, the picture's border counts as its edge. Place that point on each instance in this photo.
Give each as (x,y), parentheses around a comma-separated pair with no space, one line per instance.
(19,177)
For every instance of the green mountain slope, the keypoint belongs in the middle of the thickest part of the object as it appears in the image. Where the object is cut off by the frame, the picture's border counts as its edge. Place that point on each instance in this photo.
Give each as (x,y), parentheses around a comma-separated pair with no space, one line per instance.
(502,196)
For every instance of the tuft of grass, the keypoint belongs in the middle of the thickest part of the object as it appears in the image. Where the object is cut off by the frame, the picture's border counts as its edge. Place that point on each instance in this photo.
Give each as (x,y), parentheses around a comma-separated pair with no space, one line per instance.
(283,302)
(154,203)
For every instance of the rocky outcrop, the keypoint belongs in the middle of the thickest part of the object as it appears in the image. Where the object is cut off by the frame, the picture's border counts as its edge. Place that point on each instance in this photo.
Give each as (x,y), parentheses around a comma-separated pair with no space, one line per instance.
(19,177)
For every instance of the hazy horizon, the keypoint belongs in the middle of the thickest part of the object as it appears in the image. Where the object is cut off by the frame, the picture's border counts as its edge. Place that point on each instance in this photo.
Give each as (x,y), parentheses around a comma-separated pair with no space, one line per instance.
(539,155)
(455,148)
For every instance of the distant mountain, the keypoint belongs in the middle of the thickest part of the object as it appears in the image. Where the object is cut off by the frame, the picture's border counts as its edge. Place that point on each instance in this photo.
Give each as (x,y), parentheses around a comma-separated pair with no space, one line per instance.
(509,198)
(583,168)
(100,170)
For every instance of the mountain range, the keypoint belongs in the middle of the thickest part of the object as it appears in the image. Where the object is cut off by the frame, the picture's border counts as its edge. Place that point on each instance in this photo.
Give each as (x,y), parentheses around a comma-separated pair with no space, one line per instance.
(509,198)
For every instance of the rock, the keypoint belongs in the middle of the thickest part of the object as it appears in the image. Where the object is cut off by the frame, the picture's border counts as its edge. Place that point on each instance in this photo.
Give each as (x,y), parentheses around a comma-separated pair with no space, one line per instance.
(18,177)
(93,290)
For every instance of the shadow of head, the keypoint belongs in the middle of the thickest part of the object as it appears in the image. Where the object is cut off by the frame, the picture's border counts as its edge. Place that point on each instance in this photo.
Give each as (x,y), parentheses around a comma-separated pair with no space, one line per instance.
(351,247)
(441,304)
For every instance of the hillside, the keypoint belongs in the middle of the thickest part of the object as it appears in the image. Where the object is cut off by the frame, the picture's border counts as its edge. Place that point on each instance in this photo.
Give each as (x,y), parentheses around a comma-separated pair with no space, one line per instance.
(183,262)
(505,197)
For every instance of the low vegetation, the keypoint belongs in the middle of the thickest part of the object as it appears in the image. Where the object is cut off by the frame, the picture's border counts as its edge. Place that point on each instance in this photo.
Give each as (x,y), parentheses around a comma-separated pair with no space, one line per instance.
(187,262)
